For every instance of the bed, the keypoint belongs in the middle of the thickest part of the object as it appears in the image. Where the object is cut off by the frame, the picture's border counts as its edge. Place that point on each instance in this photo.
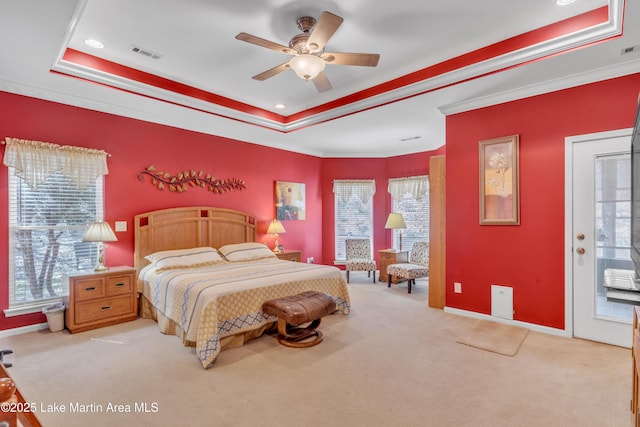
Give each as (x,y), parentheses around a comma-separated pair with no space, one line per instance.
(203,278)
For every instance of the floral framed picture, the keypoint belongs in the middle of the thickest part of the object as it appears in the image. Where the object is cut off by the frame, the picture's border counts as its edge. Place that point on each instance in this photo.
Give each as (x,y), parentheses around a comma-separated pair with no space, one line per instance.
(499,181)
(290,201)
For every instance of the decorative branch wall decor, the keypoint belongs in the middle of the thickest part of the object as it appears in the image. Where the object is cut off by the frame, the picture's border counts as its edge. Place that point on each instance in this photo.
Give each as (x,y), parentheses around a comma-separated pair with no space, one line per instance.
(180,182)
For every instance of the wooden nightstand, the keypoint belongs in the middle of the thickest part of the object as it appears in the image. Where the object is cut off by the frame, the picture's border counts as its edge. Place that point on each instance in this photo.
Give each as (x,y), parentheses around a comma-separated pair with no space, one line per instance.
(388,257)
(100,298)
(290,255)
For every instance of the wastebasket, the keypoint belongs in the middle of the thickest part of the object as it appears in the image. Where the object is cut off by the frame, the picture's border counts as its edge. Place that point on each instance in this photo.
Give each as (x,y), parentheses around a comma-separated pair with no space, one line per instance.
(55,317)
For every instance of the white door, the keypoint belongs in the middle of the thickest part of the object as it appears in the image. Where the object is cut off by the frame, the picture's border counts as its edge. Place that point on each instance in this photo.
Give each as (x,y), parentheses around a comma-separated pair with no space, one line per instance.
(601,238)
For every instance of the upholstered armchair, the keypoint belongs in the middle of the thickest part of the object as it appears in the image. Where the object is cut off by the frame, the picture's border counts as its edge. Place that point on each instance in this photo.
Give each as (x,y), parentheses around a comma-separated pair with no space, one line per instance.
(359,257)
(418,265)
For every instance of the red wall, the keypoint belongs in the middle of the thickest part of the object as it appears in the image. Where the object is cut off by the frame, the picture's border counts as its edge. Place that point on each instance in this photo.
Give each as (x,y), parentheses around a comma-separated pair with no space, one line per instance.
(135,144)
(352,169)
(370,168)
(530,256)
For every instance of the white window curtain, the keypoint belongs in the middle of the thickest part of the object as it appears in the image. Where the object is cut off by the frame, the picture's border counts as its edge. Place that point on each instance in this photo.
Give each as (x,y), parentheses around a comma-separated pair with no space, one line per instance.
(417,186)
(35,161)
(364,189)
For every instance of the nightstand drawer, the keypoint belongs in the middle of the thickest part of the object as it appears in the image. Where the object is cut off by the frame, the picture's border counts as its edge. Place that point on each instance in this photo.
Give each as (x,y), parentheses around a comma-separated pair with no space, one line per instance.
(91,288)
(105,308)
(100,298)
(289,256)
(389,257)
(118,285)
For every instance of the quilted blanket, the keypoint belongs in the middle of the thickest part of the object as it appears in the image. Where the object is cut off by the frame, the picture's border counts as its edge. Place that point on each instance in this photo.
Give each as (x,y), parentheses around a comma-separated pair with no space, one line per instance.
(214,302)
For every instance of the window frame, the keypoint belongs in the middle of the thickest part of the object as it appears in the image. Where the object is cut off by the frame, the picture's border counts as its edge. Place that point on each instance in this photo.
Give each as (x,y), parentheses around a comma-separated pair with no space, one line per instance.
(395,207)
(339,240)
(35,305)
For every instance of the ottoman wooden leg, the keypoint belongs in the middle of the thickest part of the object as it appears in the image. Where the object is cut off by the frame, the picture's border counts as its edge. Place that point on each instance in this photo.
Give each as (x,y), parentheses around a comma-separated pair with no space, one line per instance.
(306,308)
(297,337)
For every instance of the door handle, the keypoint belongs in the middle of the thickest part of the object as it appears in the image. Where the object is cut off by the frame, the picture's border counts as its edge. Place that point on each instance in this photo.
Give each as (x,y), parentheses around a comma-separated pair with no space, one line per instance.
(580,236)
(580,251)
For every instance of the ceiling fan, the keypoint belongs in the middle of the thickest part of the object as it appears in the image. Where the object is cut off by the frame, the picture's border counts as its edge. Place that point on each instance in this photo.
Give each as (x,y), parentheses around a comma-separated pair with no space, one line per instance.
(309,57)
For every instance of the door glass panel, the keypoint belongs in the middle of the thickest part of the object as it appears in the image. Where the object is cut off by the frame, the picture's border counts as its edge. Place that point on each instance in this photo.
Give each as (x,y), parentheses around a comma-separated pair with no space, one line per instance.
(614,268)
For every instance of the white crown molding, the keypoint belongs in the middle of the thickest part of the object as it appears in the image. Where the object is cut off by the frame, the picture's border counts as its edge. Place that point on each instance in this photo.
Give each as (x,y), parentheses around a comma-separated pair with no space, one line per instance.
(182,118)
(550,47)
(394,151)
(603,73)
(160,94)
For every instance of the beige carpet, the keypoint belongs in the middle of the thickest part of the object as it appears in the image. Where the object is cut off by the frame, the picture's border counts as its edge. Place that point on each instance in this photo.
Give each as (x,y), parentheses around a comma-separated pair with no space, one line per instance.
(494,336)
(392,362)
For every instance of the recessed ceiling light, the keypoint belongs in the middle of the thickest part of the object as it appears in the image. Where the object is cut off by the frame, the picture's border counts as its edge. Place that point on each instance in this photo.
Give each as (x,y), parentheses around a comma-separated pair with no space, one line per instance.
(280,106)
(94,43)
(564,2)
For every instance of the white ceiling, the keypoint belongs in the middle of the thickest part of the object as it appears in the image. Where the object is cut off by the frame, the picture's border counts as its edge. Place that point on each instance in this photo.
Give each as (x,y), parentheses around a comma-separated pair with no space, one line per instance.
(196,41)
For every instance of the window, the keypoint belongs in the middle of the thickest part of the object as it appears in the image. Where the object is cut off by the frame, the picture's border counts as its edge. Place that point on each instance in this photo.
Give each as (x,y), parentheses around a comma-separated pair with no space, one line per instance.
(410,197)
(353,212)
(612,230)
(613,209)
(55,193)
(46,227)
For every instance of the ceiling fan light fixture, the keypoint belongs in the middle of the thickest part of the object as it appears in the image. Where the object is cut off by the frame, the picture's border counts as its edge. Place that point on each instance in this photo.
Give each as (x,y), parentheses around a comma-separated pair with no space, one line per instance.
(307,66)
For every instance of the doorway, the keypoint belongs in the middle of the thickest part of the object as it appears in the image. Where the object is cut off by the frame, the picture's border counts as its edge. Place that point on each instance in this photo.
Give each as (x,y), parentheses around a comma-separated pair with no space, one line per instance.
(598,236)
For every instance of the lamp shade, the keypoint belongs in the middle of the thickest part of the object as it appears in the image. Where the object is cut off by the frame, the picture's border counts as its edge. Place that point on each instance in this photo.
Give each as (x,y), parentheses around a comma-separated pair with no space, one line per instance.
(395,221)
(100,232)
(276,227)
(307,66)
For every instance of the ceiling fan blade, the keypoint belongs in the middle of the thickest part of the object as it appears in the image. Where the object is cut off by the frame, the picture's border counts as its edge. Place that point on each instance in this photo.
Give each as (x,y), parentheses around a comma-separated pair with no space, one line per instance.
(265,43)
(272,72)
(322,32)
(343,58)
(322,82)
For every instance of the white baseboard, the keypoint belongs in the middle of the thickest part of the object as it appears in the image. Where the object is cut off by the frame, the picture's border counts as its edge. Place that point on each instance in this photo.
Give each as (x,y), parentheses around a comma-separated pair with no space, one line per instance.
(530,326)
(23,330)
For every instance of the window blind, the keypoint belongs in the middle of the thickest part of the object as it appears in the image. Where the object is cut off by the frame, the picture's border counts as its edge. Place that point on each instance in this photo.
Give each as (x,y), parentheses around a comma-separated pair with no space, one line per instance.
(46,227)
(353,212)
(410,197)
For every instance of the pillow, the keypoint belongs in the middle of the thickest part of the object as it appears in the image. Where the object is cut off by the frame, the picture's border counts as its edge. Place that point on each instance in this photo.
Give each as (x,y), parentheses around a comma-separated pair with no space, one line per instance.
(182,258)
(246,252)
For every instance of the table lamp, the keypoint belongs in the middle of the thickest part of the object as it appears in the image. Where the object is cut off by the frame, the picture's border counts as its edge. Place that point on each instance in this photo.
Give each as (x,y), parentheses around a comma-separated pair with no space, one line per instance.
(395,221)
(100,232)
(275,228)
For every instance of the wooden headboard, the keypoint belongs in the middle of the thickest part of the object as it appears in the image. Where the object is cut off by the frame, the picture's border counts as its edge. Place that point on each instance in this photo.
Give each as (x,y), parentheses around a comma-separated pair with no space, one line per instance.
(190,227)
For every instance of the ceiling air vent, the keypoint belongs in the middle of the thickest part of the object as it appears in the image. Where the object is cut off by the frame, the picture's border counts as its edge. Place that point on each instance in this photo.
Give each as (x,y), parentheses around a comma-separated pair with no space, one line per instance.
(144,52)
(630,49)
(411,138)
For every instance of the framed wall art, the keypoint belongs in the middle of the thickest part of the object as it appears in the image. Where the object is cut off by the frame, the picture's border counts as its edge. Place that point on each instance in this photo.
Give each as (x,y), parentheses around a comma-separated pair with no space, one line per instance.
(499,181)
(290,201)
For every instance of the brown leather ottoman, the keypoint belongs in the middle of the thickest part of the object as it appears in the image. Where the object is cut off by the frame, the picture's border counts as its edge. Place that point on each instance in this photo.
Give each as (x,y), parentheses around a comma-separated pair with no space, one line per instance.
(293,311)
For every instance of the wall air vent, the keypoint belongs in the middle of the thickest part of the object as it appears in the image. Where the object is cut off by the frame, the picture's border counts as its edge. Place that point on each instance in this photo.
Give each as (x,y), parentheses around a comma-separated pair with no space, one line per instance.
(144,52)
(630,49)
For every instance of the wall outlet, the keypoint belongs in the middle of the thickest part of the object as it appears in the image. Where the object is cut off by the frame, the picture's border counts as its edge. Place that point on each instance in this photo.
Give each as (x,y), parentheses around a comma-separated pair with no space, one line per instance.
(457,287)
(121,225)
(310,260)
